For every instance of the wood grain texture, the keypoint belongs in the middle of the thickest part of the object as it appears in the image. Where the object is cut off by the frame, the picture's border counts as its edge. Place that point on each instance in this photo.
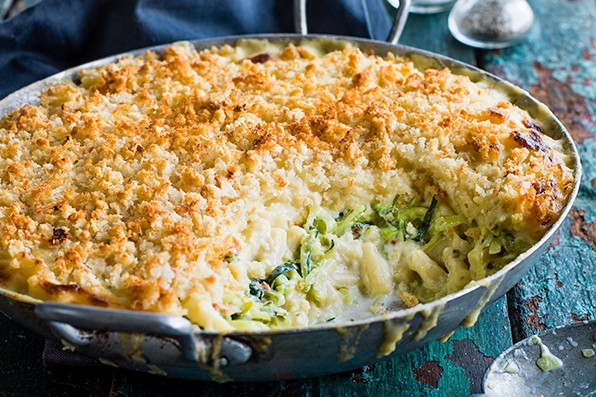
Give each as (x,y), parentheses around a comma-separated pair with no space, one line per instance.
(430,32)
(557,64)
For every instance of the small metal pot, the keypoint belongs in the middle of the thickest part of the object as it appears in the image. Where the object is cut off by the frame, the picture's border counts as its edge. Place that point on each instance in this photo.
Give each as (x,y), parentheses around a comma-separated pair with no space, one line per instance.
(172,346)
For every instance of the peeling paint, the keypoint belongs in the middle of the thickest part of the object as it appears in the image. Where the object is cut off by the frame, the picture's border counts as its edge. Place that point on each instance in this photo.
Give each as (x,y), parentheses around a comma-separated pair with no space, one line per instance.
(570,107)
(474,363)
(577,319)
(582,229)
(560,45)
(535,321)
(558,283)
(556,241)
(363,375)
(429,373)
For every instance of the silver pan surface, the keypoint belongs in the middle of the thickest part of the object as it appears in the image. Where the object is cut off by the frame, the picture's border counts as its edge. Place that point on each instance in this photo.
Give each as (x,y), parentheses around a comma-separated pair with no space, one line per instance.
(172,346)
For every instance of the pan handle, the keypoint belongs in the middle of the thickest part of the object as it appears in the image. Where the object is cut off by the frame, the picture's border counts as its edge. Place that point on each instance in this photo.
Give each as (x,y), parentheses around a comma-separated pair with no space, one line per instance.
(66,321)
(399,21)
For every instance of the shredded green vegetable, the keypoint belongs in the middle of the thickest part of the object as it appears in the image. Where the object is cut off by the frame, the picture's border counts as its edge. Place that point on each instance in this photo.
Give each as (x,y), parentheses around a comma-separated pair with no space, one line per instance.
(282,269)
(256,288)
(358,228)
(306,263)
(346,222)
(427,219)
(393,224)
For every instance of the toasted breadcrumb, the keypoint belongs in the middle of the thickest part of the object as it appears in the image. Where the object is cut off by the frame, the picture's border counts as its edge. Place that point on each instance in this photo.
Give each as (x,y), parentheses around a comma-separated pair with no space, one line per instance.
(135,187)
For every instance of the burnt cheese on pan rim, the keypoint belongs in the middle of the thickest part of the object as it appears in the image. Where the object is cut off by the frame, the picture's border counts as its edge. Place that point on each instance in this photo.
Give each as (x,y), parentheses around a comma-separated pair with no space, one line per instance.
(270,185)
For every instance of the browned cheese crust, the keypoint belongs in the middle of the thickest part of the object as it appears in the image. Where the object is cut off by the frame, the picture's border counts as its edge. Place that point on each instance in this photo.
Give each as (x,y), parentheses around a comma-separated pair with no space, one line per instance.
(132,188)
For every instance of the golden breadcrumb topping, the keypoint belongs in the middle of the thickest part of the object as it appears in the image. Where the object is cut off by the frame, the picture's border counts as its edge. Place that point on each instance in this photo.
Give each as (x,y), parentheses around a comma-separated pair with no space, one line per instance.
(167,183)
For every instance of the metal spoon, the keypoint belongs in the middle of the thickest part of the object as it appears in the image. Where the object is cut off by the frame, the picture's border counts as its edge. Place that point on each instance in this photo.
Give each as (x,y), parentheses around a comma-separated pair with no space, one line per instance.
(490,23)
(558,362)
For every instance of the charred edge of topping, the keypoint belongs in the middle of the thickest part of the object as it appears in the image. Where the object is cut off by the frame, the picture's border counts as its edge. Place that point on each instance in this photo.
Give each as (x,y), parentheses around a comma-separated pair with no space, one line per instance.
(359,78)
(532,141)
(59,235)
(547,220)
(259,141)
(56,289)
(531,125)
(539,186)
(261,58)
(212,106)
(497,112)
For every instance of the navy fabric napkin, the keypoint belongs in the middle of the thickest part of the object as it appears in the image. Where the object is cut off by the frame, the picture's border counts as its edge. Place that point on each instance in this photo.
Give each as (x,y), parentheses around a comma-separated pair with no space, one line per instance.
(54,355)
(58,34)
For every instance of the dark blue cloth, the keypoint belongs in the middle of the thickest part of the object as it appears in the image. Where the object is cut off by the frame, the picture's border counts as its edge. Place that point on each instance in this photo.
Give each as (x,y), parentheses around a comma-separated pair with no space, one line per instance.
(58,34)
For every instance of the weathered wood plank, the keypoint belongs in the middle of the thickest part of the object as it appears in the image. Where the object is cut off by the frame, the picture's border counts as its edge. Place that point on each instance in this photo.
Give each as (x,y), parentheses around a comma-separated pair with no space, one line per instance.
(557,290)
(430,32)
(558,65)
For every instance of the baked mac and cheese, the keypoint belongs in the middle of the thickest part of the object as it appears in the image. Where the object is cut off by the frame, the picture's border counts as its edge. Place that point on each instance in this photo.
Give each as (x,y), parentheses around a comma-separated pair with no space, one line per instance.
(280,188)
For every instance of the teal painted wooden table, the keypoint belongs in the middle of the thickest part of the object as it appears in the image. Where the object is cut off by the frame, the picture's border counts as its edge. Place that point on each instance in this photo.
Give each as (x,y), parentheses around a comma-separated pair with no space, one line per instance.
(557,64)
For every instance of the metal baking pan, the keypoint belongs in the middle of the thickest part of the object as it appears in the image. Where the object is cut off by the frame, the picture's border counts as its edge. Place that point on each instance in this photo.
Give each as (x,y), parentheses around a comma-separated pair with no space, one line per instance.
(172,346)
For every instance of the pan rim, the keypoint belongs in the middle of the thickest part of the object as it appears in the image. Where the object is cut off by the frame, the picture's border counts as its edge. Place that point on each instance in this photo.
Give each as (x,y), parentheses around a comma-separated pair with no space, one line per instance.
(25,95)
